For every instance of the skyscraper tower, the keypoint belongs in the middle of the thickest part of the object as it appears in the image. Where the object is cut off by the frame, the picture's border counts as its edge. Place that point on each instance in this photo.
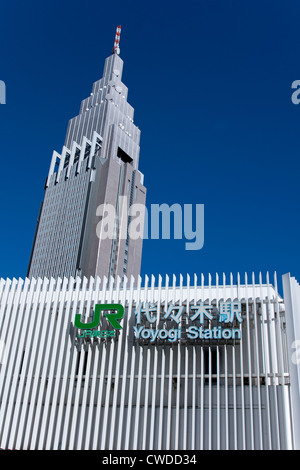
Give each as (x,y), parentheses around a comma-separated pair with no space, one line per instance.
(98,165)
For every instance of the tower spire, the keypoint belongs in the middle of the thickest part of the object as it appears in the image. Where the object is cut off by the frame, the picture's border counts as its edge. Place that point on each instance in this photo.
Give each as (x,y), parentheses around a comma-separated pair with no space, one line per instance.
(116,48)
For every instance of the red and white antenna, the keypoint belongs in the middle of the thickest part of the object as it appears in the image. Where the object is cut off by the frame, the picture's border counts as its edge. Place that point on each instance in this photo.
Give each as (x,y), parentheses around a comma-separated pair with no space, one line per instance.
(116,48)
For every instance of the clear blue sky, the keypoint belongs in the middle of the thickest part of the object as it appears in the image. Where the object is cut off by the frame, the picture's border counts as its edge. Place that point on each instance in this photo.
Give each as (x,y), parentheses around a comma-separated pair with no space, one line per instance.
(210,82)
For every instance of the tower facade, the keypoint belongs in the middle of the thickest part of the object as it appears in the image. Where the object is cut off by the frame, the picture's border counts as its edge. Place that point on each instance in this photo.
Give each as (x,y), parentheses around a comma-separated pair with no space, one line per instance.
(98,166)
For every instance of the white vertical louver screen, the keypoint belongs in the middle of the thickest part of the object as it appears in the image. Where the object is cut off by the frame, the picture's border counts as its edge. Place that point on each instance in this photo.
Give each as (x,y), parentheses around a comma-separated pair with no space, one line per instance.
(58,391)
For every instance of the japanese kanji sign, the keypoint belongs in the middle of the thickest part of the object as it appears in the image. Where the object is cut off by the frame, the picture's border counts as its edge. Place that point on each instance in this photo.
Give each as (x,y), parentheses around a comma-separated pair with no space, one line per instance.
(148,315)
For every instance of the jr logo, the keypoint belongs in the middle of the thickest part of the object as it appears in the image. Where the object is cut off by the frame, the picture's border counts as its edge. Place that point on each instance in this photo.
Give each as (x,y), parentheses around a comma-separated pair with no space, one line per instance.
(111,317)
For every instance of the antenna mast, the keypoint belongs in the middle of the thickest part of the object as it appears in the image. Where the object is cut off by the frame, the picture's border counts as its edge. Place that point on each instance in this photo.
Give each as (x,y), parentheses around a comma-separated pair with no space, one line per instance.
(116,48)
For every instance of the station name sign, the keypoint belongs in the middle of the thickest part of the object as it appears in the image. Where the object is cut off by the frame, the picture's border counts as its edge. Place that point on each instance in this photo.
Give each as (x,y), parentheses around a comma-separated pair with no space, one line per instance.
(176,323)
(200,322)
